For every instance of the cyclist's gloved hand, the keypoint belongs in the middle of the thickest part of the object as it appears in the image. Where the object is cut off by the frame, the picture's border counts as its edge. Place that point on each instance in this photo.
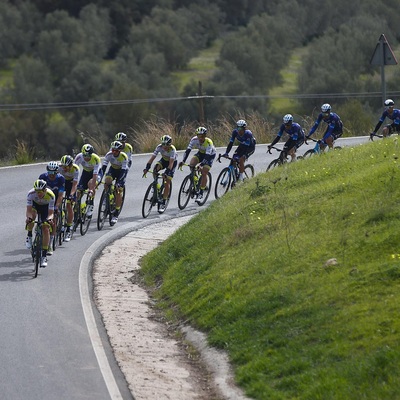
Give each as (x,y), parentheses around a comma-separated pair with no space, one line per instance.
(28,220)
(129,163)
(269,148)
(145,171)
(180,165)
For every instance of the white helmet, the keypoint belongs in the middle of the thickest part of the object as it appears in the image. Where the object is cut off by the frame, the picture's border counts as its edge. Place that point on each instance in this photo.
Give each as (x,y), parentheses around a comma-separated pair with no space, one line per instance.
(326,108)
(389,102)
(287,118)
(241,123)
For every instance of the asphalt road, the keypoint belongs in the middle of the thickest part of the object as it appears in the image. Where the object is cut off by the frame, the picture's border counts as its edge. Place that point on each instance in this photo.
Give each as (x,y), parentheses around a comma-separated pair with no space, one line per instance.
(49,349)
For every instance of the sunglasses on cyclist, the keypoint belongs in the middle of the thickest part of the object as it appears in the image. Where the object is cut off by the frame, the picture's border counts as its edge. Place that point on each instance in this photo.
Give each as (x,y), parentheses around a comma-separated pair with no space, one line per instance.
(40,190)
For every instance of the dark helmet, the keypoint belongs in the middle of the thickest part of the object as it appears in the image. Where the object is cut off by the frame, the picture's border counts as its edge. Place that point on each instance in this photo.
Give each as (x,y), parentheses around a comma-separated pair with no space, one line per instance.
(166,140)
(40,184)
(116,145)
(66,160)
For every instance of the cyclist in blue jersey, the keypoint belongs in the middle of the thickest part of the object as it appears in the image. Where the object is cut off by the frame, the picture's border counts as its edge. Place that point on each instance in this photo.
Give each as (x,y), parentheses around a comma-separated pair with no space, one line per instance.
(167,161)
(56,182)
(391,113)
(296,136)
(334,129)
(247,145)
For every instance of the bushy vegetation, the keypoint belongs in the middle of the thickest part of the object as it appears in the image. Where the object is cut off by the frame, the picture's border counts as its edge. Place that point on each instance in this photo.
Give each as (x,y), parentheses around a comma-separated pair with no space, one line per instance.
(296,275)
(99,67)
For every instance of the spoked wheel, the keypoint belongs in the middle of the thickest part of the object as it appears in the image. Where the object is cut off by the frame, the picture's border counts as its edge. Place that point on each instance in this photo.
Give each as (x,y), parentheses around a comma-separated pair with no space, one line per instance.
(337,148)
(148,201)
(274,163)
(185,192)
(38,254)
(248,171)
(206,191)
(77,217)
(85,220)
(223,183)
(111,206)
(309,153)
(162,210)
(60,228)
(103,211)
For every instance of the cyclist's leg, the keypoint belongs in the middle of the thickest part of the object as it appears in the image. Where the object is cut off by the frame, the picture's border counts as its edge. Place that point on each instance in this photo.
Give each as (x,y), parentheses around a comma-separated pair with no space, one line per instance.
(387,130)
(289,148)
(204,173)
(168,180)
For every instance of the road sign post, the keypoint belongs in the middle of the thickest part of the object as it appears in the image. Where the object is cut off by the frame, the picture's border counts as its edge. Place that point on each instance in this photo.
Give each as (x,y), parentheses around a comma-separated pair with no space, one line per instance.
(383,55)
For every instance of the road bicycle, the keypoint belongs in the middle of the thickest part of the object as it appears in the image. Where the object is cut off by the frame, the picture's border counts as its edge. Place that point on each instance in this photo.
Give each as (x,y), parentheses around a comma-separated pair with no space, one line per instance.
(154,194)
(37,244)
(107,204)
(372,135)
(318,149)
(82,205)
(190,187)
(61,223)
(282,159)
(229,176)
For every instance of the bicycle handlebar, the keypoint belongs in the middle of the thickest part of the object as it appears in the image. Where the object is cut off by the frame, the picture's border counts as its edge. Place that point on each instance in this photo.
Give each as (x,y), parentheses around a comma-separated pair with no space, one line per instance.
(371,135)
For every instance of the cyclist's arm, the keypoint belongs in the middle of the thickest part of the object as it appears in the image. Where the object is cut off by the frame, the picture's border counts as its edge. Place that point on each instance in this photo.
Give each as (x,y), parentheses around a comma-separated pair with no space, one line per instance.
(29,213)
(151,159)
(186,154)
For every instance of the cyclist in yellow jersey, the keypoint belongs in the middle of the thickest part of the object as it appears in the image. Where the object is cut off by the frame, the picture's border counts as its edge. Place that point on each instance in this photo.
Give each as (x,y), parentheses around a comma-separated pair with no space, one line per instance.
(168,162)
(90,169)
(40,200)
(205,155)
(70,172)
(117,161)
(128,149)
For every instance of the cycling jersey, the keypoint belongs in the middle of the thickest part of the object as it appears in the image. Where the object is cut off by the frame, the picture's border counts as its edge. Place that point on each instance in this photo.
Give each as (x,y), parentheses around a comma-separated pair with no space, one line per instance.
(166,154)
(295,131)
(128,150)
(206,148)
(48,199)
(394,116)
(335,125)
(93,165)
(57,185)
(247,142)
(72,174)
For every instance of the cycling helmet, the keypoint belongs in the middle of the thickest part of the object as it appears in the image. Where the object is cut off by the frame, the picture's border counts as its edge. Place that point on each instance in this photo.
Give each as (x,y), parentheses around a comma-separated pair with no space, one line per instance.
(287,118)
(326,108)
(52,166)
(201,131)
(66,160)
(40,184)
(87,149)
(241,123)
(166,140)
(389,102)
(116,145)
(121,137)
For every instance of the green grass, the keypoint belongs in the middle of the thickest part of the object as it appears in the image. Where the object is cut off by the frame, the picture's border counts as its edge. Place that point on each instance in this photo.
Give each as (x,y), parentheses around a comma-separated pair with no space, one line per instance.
(251,272)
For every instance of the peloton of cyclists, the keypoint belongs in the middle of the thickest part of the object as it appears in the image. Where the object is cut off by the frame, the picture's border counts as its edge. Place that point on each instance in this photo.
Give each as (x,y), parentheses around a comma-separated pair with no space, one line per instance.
(391,113)
(334,129)
(56,182)
(117,161)
(247,145)
(70,172)
(205,156)
(167,161)
(296,136)
(40,200)
(91,164)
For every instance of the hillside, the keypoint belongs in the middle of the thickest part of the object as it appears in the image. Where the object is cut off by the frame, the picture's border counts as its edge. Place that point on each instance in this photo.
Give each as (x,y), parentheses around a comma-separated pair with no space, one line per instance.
(296,275)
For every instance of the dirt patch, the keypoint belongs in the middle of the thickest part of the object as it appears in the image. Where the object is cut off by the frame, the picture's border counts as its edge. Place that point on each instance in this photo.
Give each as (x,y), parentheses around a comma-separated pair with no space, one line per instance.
(159,361)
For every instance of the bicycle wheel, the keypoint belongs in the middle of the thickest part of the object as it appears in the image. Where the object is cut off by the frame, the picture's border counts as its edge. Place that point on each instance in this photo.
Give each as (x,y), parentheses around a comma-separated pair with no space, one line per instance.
(77,216)
(61,227)
(38,252)
(206,191)
(337,148)
(223,183)
(162,210)
(85,220)
(274,163)
(148,201)
(103,211)
(185,192)
(248,171)
(309,153)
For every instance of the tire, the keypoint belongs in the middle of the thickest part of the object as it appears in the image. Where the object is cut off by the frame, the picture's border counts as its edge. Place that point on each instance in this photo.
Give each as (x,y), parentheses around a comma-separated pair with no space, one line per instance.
(185,192)
(148,201)
(248,171)
(167,200)
(223,183)
(103,211)
(77,217)
(337,148)
(207,191)
(61,223)
(38,253)
(274,163)
(85,221)
(309,153)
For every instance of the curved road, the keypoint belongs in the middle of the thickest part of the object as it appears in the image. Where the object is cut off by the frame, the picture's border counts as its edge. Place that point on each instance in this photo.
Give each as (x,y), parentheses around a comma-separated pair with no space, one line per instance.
(52,342)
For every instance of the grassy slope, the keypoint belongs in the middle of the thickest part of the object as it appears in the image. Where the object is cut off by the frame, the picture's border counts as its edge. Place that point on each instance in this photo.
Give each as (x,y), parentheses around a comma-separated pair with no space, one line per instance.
(250,271)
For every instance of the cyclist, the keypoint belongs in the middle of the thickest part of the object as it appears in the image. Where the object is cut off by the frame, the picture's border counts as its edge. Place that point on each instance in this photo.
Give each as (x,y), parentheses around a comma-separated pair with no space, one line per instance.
(40,200)
(70,172)
(247,145)
(167,161)
(334,129)
(55,182)
(391,113)
(128,149)
(91,163)
(118,162)
(296,136)
(205,156)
